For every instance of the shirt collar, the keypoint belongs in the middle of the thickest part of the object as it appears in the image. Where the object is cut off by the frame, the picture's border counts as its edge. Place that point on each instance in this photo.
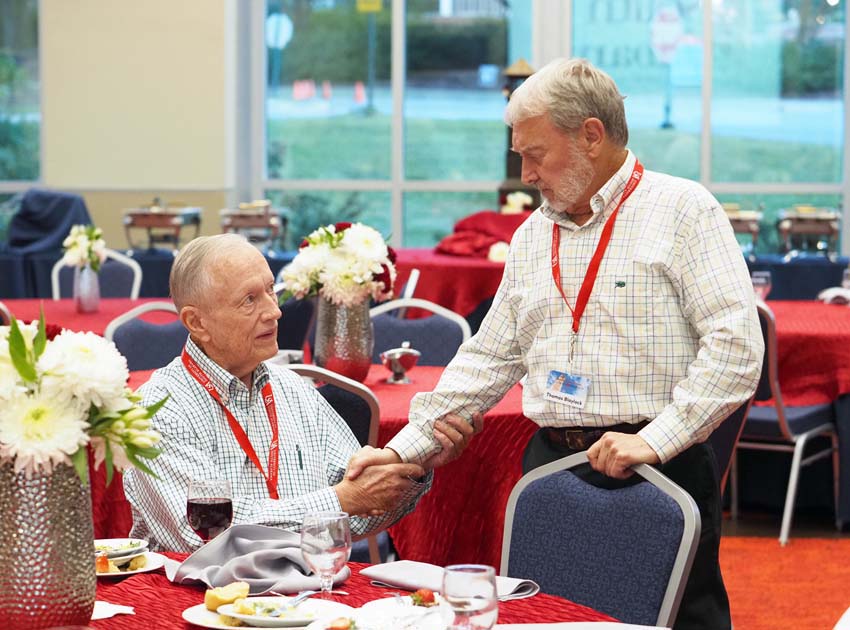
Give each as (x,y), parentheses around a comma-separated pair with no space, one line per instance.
(610,191)
(225,383)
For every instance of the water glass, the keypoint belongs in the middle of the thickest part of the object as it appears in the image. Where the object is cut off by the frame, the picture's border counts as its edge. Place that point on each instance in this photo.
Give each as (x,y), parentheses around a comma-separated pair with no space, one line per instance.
(470,590)
(326,545)
(761,284)
(209,507)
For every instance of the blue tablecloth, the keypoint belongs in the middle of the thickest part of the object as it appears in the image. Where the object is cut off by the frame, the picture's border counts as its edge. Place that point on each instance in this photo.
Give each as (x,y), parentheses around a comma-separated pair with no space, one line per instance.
(802,277)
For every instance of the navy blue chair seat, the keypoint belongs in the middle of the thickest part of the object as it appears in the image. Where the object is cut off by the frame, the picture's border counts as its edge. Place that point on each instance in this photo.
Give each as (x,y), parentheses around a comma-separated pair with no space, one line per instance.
(146,345)
(761,421)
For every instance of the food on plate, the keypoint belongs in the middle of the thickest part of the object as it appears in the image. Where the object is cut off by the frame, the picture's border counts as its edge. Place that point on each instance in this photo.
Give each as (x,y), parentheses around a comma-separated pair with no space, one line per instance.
(423,597)
(342,623)
(233,622)
(102,564)
(129,546)
(227,594)
(268,608)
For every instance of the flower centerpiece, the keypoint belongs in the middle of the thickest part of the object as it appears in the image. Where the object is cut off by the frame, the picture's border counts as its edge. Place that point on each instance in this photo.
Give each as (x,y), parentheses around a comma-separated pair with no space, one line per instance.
(57,398)
(85,250)
(346,265)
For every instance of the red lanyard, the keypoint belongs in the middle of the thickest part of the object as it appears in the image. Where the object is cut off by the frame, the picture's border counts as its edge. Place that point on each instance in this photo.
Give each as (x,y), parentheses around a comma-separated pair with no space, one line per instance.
(268,399)
(593,267)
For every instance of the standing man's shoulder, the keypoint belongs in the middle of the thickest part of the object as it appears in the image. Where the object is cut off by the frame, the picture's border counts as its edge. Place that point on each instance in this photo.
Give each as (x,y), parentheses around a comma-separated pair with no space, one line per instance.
(685,195)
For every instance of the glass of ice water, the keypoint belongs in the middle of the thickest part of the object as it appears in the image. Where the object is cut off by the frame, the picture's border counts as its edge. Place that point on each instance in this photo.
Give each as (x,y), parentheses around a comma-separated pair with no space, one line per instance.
(761,284)
(326,545)
(470,590)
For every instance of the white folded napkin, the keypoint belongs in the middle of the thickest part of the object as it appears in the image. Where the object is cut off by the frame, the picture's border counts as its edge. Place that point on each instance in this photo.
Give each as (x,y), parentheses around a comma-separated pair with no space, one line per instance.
(410,575)
(105,610)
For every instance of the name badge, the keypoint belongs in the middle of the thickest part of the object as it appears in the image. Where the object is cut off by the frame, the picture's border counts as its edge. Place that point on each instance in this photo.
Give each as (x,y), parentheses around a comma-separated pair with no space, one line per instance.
(567,389)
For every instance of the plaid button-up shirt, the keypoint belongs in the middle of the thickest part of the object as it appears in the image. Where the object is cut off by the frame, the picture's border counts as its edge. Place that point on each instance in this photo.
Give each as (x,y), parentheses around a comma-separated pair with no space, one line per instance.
(670,333)
(197,443)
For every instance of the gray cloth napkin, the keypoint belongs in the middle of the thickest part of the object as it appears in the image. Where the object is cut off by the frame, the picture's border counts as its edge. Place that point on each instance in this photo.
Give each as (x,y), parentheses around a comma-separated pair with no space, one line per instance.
(267,558)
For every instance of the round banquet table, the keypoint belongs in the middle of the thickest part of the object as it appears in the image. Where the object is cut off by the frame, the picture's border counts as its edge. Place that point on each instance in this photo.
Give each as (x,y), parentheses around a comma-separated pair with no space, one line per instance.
(64,312)
(159,604)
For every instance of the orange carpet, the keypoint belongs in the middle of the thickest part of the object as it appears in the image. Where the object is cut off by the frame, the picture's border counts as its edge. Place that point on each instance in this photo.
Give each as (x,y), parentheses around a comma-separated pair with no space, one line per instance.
(804,585)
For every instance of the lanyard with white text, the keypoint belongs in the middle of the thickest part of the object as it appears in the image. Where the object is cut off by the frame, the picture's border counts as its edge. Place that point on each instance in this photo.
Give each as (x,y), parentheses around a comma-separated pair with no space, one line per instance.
(593,267)
(268,399)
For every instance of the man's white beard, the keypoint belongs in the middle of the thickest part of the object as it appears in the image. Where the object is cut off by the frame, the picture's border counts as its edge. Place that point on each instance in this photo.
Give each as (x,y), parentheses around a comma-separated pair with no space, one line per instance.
(572,184)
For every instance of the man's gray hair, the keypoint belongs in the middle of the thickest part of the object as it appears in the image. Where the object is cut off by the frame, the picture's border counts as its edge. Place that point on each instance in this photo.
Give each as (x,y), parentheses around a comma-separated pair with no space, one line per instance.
(571,91)
(190,280)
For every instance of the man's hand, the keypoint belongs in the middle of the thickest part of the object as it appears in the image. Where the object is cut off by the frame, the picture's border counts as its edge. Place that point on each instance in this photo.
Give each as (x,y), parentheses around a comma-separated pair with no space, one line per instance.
(370,456)
(454,434)
(615,453)
(379,488)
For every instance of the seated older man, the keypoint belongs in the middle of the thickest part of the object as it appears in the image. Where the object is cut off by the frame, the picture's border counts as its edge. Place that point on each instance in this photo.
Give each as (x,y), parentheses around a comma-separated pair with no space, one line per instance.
(231,416)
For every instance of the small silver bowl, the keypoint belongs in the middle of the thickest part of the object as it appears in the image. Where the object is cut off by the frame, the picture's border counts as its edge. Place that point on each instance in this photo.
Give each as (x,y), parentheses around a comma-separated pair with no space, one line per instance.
(400,361)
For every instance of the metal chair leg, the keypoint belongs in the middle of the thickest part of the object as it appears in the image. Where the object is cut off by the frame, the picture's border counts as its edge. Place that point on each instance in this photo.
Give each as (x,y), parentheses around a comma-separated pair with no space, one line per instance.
(791,495)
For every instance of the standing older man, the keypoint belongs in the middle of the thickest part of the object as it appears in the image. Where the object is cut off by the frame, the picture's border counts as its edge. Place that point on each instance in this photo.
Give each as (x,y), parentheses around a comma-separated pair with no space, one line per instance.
(231,416)
(627,283)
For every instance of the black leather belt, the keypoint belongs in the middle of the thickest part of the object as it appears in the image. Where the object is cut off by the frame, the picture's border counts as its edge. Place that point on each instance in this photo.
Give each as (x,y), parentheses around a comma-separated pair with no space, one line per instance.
(582,438)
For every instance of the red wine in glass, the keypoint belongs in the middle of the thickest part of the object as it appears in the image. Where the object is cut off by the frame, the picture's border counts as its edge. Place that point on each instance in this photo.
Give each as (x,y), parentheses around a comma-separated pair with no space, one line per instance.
(209,517)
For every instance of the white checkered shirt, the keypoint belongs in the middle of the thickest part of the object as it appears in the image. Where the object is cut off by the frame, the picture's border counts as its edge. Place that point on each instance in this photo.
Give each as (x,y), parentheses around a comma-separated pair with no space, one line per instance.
(670,333)
(197,443)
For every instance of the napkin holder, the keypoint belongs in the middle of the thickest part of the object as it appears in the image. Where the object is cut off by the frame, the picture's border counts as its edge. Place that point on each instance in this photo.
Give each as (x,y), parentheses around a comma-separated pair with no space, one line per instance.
(399,361)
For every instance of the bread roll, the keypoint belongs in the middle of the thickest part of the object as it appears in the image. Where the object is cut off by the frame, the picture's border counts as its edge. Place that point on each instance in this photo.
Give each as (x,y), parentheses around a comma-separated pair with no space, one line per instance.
(222,595)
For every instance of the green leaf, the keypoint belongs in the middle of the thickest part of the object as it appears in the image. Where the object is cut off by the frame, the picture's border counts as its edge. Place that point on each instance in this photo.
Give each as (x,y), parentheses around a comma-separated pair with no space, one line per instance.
(156,406)
(40,341)
(81,463)
(107,460)
(19,354)
(138,463)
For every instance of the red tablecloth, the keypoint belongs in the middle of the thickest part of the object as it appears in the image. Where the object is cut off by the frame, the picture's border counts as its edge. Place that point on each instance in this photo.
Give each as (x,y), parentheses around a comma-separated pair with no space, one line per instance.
(64,312)
(456,282)
(159,603)
(813,342)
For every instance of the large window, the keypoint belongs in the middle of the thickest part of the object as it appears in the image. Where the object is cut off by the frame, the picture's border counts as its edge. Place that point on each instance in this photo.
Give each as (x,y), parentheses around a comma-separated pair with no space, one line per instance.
(19,92)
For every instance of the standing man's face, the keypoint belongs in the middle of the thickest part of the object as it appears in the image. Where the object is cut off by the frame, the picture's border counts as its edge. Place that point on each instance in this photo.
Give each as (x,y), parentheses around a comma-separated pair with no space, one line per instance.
(553,162)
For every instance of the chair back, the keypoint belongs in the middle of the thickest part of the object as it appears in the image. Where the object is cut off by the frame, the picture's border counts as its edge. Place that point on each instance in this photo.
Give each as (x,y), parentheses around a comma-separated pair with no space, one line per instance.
(436,337)
(119,276)
(146,345)
(295,323)
(724,439)
(576,541)
(768,387)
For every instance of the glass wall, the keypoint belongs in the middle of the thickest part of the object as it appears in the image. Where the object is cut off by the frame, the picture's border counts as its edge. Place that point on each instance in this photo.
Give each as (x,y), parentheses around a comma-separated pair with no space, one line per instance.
(20,114)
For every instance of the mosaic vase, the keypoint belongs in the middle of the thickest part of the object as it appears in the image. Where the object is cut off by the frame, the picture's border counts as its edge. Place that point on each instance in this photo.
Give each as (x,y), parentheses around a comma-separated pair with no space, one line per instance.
(47,573)
(344,339)
(86,290)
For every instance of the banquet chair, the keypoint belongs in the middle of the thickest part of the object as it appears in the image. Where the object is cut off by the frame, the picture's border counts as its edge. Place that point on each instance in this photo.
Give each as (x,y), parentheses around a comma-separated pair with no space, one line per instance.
(295,323)
(437,337)
(407,291)
(359,407)
(146,345)
(576,541)
(119,276)
(776,427)
(724,440)
(5,315)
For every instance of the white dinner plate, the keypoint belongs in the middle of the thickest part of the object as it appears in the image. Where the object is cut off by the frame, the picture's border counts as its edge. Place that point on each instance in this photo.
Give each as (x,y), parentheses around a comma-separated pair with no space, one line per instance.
(305,613)
(117,547)
(389,614)
(155,561)
(200,616)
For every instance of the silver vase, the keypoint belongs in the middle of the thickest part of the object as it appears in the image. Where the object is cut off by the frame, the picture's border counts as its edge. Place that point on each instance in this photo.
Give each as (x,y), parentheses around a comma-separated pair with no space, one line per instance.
(344,339)
(86,289)
(47,574)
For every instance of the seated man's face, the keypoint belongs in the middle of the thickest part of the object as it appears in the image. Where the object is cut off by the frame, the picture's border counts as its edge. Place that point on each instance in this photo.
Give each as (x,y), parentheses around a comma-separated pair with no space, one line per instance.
(240,317)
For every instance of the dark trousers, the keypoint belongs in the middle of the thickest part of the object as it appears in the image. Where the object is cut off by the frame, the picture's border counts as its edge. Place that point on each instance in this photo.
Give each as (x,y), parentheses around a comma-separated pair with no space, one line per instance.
(705,604)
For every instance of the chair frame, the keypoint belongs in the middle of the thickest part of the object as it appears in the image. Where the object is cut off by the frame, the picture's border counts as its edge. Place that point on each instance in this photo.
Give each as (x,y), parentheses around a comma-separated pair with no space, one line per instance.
(5,315)
(796,443)
(110,253)
(343,382)
(426,305)
(687,546)
(134,312)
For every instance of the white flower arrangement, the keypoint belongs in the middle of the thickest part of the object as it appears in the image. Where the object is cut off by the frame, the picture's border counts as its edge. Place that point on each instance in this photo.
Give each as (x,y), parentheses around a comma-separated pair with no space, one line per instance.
(84,245)
(58,396)
(345,263)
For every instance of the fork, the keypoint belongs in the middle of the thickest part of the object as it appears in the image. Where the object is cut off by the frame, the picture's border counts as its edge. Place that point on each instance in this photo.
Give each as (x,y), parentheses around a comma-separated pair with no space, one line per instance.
(300,597)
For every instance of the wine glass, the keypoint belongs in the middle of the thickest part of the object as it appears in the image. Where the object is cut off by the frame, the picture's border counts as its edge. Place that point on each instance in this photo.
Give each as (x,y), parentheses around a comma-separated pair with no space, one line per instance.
(470,590)
(761,283)
(209,507)
(326,545)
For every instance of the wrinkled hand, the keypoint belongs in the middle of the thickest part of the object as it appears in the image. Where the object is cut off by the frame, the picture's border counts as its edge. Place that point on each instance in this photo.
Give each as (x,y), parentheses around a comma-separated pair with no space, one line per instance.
(377,489)
(615,453)
(454,434)
(370,456)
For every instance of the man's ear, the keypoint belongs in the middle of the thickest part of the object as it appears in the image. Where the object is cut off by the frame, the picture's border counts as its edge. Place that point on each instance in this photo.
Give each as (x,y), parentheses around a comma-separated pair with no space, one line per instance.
(194,322)
(593,136)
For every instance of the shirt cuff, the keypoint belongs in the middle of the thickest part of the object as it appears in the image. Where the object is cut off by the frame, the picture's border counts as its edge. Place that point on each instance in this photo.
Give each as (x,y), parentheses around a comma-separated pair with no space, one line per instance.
(665,437)
(411,444)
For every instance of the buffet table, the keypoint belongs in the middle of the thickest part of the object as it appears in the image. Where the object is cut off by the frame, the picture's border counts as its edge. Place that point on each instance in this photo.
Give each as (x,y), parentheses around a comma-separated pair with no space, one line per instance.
(159,604)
